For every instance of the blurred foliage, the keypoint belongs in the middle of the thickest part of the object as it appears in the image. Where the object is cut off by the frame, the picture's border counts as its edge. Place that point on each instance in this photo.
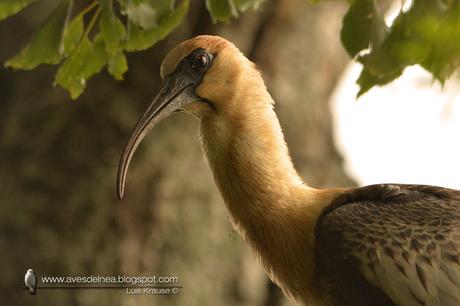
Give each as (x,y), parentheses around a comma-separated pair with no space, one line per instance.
(8,7)
(425,34)
(223,10)
(123,26)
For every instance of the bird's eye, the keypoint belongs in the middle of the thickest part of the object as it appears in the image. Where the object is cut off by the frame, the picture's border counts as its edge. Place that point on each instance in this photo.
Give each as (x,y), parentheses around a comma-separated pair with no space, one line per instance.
(200,61)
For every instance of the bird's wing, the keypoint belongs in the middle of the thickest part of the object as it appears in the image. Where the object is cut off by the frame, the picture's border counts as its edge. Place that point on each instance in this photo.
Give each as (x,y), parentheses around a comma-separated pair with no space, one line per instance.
(30,279)
(399,244)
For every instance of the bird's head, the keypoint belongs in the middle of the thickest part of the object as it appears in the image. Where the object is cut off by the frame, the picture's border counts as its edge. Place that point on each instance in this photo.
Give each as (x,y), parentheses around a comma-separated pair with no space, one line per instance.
(30,271)
(200,76)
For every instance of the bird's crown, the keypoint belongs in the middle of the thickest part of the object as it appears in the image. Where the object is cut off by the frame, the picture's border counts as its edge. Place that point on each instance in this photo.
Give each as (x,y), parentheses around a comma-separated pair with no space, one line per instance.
(212,44)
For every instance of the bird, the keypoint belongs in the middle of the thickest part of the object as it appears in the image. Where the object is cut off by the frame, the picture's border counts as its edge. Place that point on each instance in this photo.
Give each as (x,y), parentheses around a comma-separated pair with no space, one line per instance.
(380,245)
(31,281)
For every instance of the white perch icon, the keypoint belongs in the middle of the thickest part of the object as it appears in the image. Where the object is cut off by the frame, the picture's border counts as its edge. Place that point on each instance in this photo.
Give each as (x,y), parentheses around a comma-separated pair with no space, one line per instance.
(30,280)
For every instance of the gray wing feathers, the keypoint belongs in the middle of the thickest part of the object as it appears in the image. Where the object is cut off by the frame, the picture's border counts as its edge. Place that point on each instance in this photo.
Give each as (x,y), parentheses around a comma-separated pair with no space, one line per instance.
(406,241)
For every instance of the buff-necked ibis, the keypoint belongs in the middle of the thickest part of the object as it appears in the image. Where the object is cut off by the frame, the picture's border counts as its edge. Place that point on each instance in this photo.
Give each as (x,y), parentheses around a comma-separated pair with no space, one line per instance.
(377,245)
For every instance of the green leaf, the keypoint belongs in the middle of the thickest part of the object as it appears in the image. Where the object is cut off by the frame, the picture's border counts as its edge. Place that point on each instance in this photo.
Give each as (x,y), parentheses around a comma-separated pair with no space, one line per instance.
(72,34)
(112,29)
(139,39)
(11,7)
(243,5)
(444,56)
(363,26)
(146,14)
(48,44)
(367,80)
(221,10)
(410,51)
(427,35)
(86,60)
(118,65)
(382,59)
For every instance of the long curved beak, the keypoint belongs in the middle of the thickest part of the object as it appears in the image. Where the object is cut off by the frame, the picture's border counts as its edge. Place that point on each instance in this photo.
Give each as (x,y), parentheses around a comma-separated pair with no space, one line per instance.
(176,91)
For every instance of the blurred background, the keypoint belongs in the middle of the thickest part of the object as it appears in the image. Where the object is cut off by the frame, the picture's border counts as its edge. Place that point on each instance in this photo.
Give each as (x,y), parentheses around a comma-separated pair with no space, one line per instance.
(58,209)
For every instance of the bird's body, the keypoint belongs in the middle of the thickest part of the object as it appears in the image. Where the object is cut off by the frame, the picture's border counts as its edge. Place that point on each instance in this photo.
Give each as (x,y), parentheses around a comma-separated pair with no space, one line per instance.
(30,280)
(334,247)
(391,245)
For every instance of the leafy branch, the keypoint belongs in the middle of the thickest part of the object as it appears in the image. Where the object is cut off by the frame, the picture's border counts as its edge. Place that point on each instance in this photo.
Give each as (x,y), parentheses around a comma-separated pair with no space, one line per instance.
(83,43)
(426,34)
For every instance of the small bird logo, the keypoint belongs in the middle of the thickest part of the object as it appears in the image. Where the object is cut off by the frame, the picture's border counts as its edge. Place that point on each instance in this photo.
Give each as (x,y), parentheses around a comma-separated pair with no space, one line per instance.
(30,280)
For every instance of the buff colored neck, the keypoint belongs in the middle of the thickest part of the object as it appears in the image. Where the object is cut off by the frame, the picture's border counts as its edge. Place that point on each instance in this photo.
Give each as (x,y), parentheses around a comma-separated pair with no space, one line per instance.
(268,202)
(250,161)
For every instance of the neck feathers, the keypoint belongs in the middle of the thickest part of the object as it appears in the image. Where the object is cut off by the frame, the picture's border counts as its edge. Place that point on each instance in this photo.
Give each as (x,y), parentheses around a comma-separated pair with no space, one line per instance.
(248,155)
(267,200)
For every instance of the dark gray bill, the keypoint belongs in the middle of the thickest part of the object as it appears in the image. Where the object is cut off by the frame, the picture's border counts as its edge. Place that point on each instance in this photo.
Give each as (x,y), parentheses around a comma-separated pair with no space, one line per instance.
(176,91)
